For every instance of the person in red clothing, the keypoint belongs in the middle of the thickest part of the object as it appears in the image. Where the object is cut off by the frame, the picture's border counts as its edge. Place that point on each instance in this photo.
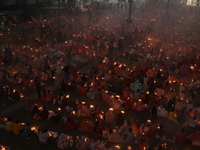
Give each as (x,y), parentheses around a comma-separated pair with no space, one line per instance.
(97,130)
(128,104)
(44,96)
(135,127)
(126,92)
(70,124)
(49,96)
(44,114)
(82,90)
(142,142)
(139,106)
(181,136)
(26,81)
(105,97)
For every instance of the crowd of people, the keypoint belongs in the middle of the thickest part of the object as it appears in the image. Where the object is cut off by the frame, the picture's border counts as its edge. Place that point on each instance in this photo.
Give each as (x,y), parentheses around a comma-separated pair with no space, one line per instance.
(153,67)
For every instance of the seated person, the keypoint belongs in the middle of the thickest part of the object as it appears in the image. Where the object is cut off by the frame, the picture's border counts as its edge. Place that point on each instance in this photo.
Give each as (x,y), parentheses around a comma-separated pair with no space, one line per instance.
(82,90)
(97,130)
(17,128)
(195,138)
(9,125)
(85,125)
(113,136)
(142,142)
(181,119)
(192,122)
(161,112)
(26,131)
(70,124)
(109,116)
(43,114)
(35,110)
(181,136)
(62,141)
(43,137)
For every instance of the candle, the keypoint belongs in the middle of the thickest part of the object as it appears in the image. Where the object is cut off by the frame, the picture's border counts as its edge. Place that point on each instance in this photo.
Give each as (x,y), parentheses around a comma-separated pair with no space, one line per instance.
(33,128)
(129,148)
(111,109)
(59,109)
(122,112)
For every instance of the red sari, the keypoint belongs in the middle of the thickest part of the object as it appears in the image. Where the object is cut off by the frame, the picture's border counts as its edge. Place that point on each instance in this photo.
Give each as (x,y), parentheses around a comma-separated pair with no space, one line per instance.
(82,90)
(43,96)
(128,104)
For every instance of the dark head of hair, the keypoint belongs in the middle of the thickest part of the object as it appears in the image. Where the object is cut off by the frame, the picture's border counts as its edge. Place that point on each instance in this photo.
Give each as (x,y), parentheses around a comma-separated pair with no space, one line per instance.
(17,121)
(183,130)
(111,131)
(9,118)
(45,130)
(130,129)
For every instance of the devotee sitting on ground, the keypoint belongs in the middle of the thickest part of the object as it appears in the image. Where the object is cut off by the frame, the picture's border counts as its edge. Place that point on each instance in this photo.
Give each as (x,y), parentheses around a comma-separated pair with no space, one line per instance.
(181,136)
(172,115)
(85,125)
(90,93)
(195,138)
(9,125)
(29,105)
(43,137)
(142,142)
(43,114)
(62,141)
(83,143)
(182,119)
(99,145)
(82,89)
(49,96)
(97,130)
(192,122)
(113,136)
(162,112)
(43,96)
(128,104)
(109,116)
(35,110)
(148,128)
(70,124)
(26,131)
(139,106)
(17,128)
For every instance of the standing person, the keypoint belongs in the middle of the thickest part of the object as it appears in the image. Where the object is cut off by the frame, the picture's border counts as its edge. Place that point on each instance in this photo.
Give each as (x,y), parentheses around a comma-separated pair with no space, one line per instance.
(17,128)
(128,137)
(9,125)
